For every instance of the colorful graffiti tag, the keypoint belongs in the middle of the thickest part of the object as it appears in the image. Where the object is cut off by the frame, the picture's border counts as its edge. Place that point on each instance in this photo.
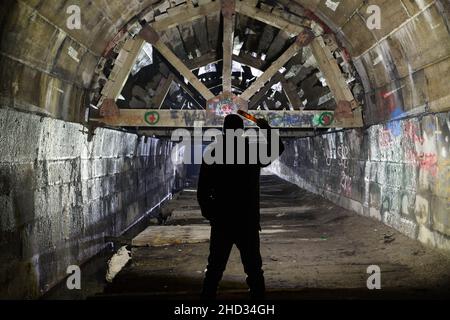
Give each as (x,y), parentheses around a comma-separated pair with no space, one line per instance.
(283,119)
(323,119)
(151,117)
(223,106)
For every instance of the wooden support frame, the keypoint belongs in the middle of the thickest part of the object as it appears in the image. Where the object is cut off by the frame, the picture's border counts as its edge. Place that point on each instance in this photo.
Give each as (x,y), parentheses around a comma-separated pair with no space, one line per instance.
(268,18)
(302,40)
(163,90)
(209,119)
(189,14)
(332,73)
(204,60)
(122,68)
(253,103)
(168,132)
(228,11)
(291,93)
(188,91)
(344,117)
(150,35)
(248,60)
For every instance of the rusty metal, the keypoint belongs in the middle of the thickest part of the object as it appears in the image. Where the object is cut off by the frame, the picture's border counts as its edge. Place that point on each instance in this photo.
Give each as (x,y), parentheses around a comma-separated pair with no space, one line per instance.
(149,34)
(343,110)
(305,38)
(228,8)
(109,108)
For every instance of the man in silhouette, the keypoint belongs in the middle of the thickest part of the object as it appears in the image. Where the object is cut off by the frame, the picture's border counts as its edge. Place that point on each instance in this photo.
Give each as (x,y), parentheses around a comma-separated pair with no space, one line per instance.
(228,194)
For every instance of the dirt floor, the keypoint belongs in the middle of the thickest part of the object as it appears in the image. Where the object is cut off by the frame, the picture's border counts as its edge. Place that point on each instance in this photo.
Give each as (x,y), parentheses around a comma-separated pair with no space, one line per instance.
(311,249)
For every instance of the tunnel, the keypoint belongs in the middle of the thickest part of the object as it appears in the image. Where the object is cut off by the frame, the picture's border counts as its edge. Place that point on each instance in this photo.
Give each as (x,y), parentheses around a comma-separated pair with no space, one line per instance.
(93,182)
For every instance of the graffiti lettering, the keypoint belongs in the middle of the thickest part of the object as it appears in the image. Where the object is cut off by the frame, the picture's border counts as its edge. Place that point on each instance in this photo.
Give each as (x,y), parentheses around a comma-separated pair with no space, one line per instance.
(343,152)
(346,185)
(428,163)
(223,106)
(385,138)
(412,132)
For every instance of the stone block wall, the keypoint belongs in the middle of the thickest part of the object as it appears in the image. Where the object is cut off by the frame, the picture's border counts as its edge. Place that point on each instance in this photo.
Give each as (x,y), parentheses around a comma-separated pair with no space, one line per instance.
(60,195)
(398,173)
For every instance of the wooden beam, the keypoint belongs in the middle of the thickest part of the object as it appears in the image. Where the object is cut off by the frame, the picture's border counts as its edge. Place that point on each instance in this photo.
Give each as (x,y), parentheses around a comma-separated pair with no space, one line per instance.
(268,18)
(332,73)
(122,68)
(249,60)
(303,39)
(204,60)
(149,35)
(208,119)
(167,132)
(261,93)
(290,90)
(188,14)
(188,91)
(228,13)
(163,90)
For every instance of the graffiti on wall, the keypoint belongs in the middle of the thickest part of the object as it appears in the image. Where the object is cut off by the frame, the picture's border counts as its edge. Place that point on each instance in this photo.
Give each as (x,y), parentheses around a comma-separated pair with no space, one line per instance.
(385,138)
(443,183)
(323,119)
(346,184)
(222,106)
(286,119)
(343,153)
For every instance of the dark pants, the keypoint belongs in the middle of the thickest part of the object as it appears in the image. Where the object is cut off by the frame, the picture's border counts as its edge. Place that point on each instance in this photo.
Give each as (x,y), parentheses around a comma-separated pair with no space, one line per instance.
(221,243)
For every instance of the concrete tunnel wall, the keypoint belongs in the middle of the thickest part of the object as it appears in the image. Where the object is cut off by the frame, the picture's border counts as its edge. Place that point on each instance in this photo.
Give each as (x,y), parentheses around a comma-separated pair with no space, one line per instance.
(394,171)
(397,169)
(60,195)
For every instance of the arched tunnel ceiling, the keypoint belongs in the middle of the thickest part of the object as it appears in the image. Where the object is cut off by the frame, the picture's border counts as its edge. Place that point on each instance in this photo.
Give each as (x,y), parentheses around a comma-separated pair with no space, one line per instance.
(48,68)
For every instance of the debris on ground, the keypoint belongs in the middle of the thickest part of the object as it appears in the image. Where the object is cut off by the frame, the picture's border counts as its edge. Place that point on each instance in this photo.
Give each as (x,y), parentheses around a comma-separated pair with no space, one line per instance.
(389,237)
(117,262)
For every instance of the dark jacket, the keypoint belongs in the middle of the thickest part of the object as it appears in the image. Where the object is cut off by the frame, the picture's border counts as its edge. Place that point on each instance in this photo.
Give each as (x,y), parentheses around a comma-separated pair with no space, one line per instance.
(228,194)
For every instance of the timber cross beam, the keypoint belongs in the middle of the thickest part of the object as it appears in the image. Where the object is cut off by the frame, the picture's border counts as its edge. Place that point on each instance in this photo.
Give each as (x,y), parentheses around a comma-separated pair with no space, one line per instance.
(345,115)
(210,119)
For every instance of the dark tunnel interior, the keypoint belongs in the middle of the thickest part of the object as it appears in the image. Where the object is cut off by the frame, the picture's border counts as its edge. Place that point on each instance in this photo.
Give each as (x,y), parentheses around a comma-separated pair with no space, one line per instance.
(96,95)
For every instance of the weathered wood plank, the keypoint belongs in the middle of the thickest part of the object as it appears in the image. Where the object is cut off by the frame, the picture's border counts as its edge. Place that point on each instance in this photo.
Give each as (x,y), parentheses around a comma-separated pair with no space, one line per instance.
(122,68)
(228,37)
(186,15)
(208,119)
(249,60)
(196,63)
(266,39)
(277,46)
(303,39)
(254,101)
(162,92)
(332,73)
(201,35)
(212,24)
(148,34)
(188,38)
(290,90)
(268,18)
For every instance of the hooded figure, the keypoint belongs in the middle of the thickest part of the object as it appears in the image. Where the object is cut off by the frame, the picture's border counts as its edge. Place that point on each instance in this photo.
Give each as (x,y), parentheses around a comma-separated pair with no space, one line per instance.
(228,194)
